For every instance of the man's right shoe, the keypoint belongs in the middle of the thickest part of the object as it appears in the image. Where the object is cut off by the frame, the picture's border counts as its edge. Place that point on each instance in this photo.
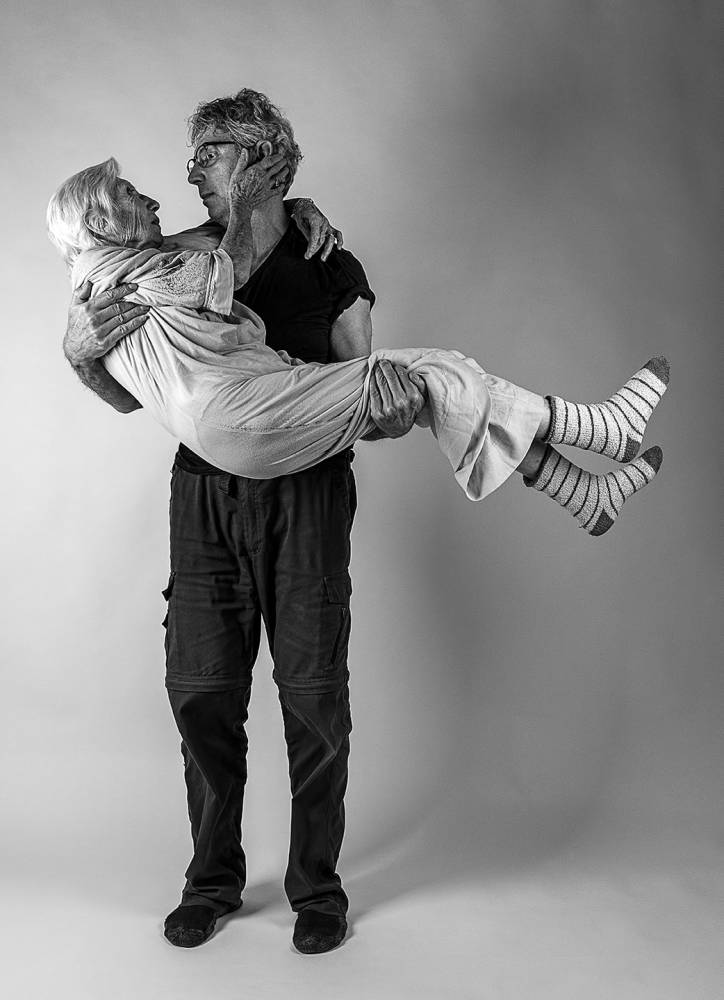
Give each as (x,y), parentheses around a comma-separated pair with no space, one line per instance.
(190,926)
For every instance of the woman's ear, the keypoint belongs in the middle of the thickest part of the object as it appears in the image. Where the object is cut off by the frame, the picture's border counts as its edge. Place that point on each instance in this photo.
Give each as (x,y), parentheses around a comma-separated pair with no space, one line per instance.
(96,223)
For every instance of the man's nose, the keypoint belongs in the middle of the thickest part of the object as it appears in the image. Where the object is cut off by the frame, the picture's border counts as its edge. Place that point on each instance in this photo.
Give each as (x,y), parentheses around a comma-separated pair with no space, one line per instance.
(195,174)
(151,203)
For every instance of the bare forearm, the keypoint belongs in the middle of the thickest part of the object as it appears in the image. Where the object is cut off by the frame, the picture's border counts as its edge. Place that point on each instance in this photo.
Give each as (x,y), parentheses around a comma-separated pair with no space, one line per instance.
(238,242)
(93,374)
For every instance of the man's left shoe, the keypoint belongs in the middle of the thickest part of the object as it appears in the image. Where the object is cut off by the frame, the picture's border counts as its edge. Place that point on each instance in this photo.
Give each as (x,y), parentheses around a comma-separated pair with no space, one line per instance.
(192,925)
(315,932)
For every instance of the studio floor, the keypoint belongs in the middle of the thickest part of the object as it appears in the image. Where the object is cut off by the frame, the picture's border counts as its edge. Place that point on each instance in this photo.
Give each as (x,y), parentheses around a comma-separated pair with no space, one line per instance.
(621,920)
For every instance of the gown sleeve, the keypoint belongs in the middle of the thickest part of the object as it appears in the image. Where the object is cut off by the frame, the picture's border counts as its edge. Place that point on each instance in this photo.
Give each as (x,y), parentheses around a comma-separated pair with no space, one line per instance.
(192,279)
(197,279)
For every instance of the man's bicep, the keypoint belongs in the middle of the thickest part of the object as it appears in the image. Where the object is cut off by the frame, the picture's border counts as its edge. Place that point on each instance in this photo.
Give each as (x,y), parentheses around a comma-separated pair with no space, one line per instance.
(351,335)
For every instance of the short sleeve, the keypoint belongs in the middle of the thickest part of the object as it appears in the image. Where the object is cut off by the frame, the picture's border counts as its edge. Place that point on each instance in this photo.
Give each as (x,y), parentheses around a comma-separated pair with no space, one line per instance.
(220,288)
(350,282)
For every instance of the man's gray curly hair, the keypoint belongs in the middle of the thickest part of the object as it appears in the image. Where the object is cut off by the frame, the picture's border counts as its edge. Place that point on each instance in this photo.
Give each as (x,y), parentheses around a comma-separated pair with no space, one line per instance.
(249,118)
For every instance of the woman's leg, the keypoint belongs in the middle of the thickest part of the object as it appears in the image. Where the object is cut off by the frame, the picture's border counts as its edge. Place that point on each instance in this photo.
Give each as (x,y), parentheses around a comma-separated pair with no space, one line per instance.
(614,428)
(594,501)
(533,460)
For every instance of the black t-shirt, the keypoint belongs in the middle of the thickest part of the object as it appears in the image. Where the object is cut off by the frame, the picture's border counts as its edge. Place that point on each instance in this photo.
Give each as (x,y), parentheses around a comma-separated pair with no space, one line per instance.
(299,301)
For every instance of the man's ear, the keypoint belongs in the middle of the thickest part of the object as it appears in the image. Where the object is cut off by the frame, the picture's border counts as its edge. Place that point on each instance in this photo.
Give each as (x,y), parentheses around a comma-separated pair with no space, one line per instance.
(263,149)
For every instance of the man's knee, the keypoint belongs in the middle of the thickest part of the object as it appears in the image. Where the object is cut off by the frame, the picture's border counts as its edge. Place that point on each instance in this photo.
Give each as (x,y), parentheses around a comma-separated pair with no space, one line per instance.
(321,717)
(211,718)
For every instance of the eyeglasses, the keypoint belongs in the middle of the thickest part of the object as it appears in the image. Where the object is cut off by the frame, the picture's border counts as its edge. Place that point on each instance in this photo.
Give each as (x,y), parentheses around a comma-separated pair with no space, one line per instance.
(207,153)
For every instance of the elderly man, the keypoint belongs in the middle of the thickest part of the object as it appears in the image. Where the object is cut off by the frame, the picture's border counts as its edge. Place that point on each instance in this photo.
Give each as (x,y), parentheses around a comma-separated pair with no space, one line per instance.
(246,551)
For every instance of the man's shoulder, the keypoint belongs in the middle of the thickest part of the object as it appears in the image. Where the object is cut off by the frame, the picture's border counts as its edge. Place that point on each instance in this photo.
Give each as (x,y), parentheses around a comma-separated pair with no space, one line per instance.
(341,265)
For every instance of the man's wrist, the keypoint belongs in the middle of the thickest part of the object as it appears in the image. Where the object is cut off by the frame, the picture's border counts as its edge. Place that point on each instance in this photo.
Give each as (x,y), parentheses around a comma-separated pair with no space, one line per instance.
(72,356)
(239,215)
(295,205)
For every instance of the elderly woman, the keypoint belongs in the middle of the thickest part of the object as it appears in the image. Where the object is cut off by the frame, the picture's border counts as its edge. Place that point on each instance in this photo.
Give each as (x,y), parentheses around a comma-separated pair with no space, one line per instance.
(201,367)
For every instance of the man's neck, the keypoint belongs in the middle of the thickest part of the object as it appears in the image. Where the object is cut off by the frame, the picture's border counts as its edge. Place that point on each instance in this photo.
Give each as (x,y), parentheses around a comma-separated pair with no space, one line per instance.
(269,223)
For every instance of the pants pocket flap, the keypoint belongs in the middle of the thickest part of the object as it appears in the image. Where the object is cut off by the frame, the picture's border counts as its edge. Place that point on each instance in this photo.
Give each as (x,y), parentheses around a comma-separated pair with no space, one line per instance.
(338,587)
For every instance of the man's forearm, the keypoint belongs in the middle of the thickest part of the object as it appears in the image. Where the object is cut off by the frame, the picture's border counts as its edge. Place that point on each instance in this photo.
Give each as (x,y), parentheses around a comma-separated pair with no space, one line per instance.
(94,375)
(238,242)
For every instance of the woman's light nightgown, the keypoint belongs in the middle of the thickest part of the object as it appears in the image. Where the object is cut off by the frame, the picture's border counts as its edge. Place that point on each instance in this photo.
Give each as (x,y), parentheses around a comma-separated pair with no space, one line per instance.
(200,366)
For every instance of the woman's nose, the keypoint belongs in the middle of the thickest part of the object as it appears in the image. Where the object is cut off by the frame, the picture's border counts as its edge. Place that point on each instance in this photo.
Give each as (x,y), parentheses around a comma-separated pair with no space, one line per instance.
(152,203)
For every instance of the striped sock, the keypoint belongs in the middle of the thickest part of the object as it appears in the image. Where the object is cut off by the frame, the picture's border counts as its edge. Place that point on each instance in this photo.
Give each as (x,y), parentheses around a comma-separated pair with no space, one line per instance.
(594,501)
(615,427)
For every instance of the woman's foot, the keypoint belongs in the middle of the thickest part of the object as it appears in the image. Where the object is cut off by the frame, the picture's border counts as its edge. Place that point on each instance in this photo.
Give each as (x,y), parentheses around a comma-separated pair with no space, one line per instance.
(616,427)
(594,501)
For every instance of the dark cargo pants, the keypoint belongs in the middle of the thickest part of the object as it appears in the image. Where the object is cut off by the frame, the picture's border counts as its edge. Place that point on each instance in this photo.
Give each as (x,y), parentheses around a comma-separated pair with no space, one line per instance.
(242,552)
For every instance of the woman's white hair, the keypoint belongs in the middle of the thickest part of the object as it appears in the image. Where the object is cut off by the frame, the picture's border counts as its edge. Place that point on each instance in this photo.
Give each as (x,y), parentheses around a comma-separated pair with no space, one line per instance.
(86,212)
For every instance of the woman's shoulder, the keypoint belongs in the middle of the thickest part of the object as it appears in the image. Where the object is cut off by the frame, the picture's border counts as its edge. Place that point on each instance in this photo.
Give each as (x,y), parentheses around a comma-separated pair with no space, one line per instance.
(204,237)
(110,265)
(97,262)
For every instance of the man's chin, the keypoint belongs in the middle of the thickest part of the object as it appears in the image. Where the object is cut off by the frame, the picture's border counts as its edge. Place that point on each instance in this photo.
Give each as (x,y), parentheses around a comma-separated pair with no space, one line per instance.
(216,211)
(221,219)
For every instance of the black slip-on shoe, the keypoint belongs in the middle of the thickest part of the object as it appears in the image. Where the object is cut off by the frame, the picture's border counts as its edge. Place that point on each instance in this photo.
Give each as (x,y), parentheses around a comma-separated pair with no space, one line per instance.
(316,932)
(190,926)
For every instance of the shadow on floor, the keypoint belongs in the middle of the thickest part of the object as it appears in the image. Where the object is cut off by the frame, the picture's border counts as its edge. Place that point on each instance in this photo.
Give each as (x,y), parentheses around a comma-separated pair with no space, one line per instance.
(474,849)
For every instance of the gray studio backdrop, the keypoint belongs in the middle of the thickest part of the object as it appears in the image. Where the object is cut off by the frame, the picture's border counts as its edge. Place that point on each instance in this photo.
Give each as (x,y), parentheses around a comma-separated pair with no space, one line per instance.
(535,184)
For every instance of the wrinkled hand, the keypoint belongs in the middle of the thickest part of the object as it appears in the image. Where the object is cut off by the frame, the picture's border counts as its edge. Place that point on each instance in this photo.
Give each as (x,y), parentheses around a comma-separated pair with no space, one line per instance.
(249,186)
(396,399)
(317,228)
(95,325)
